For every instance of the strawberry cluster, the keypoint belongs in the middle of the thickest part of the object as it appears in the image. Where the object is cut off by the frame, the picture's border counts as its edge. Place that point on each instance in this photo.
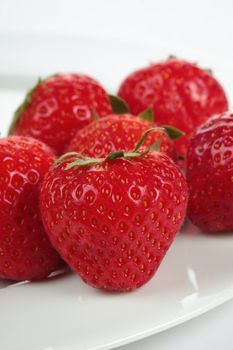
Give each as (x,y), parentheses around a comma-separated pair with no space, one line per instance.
(99,182)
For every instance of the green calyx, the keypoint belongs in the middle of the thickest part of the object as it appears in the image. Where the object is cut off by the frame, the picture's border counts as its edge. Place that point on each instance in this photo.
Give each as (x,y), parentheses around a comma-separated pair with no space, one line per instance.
(21,108)
(78,160)
(147,115)
(172,132)
(119,106)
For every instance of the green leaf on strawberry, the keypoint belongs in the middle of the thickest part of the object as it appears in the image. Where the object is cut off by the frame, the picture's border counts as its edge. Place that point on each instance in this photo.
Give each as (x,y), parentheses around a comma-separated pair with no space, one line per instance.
(119,106)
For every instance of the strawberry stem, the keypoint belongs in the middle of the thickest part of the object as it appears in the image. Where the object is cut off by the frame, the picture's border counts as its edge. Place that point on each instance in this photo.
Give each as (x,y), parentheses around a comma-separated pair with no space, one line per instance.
(77,160)
(144,136)
(114,155)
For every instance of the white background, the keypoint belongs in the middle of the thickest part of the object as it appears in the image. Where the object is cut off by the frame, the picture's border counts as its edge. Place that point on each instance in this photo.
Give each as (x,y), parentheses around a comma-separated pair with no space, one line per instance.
(202,24)
(205,27)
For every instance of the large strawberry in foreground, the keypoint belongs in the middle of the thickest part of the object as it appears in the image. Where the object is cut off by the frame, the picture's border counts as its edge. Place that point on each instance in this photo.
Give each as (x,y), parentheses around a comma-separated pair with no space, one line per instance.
(116,132)
(180,93)
(58,106)
(210,174)
(113,219)
(25,250)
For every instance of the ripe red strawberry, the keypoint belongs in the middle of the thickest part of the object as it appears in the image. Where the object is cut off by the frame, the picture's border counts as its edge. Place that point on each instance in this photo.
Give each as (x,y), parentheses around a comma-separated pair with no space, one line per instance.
(25,250)
(116,132)
(180,93)
(210,174)
(59,106)
(113,220)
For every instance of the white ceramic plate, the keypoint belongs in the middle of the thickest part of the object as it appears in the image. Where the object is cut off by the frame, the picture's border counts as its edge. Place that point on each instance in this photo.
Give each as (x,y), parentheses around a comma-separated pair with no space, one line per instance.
(63,313)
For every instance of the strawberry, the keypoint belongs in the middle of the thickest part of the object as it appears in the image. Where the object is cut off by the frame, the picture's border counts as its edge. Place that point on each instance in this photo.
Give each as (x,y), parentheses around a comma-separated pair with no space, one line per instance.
(25,250)
(210,174)
(113,219)
(58,106)
(180,93)
(116,132)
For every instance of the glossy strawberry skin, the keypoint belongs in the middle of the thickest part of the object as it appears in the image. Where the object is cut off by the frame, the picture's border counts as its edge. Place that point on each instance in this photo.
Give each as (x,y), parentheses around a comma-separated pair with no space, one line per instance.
(210,174)
(25,250)
(114,222)
(116,132)
(59,106)
(180,93)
